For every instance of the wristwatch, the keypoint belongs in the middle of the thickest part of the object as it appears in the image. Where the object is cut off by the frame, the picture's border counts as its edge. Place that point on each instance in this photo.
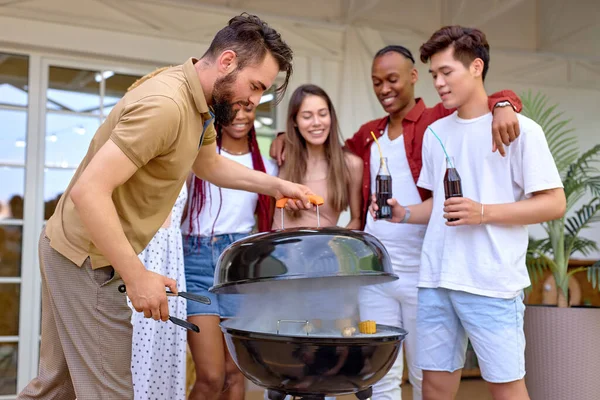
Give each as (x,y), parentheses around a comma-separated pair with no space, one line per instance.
(406,215)
(503,104)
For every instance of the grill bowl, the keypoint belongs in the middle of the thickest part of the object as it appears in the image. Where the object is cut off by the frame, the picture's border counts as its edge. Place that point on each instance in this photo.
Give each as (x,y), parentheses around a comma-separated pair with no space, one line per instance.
(310,365)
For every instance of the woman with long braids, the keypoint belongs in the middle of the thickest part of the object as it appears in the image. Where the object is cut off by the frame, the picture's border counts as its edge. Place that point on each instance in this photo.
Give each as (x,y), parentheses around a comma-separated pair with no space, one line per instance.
(216,218)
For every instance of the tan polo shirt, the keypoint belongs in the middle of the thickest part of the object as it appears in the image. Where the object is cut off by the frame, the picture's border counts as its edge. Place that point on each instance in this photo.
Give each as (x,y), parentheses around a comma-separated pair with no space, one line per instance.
(159,125)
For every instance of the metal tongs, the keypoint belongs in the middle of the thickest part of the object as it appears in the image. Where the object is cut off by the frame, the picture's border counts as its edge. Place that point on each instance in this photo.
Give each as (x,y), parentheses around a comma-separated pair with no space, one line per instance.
(185,295)
(314,199)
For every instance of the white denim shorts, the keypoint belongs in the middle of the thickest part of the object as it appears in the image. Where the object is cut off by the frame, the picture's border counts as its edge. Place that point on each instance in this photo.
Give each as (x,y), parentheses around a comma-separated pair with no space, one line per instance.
(447,319)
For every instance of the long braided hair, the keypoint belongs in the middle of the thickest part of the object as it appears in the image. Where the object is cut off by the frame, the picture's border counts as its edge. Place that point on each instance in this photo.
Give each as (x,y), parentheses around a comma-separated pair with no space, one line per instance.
(199,189)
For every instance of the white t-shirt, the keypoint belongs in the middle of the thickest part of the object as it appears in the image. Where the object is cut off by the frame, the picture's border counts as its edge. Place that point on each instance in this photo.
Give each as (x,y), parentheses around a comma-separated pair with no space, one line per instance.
(487,260)
(402,241)
(237,206)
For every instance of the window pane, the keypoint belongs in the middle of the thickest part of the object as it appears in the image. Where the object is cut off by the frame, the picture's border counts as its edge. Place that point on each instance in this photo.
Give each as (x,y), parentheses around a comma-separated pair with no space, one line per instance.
(73,89)
(72,101)
(68,137)
(13,136)
(11,192)
(8,368)
(12,95)
(9,302)
(14,71)
(11,237)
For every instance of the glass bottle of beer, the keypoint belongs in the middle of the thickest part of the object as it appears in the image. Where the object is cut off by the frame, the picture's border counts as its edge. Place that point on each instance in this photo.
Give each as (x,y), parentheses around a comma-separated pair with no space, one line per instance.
(384,190)
(452,184)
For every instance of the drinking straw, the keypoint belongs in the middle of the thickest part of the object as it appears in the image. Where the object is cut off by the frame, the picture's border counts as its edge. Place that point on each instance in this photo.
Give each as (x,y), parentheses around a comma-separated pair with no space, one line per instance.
(443,148)
(376,142)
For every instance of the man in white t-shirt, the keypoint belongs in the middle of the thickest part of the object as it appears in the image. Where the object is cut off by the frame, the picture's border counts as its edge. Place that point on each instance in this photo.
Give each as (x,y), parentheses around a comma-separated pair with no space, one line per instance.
(473,271)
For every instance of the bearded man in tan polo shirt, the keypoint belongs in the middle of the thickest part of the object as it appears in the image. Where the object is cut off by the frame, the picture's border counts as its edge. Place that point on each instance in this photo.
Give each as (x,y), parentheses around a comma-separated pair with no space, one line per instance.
(122,192)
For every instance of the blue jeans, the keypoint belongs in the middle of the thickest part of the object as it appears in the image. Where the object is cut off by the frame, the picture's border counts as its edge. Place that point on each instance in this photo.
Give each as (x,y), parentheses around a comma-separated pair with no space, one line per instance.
(200,257)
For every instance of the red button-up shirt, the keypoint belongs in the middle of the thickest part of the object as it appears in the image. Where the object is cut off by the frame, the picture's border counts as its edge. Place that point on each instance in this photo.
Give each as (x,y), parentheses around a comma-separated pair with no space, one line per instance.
(414,125)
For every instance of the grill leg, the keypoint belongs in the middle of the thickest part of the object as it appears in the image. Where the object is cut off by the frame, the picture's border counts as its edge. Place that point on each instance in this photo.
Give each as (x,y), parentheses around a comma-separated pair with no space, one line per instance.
(364,394)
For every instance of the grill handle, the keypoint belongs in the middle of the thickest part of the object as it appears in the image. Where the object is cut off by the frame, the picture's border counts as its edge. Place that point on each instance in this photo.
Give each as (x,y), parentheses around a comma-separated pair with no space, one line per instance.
(314,199)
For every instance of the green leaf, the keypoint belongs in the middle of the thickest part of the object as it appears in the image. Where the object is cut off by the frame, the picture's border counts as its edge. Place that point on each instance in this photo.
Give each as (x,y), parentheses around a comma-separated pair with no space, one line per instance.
(536,259)
(583,217)
(593,275)
(574,196)
(583,245)
(536,268)
(586,215)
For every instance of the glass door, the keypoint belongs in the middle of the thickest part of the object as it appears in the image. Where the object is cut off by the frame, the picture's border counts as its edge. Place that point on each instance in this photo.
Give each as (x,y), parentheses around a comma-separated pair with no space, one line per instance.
(14,102)
(49,112)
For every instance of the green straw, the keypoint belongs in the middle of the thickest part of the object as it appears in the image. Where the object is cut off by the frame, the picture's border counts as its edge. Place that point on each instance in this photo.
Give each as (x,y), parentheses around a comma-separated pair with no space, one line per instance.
(443,148)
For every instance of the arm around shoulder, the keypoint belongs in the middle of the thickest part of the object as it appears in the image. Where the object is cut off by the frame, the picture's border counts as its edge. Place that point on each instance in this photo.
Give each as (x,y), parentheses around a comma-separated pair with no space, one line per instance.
(505,96)
(356,143)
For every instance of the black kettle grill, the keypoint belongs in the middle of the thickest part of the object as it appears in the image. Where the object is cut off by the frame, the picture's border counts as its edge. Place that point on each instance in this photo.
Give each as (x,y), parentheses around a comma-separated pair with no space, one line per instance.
(287,337)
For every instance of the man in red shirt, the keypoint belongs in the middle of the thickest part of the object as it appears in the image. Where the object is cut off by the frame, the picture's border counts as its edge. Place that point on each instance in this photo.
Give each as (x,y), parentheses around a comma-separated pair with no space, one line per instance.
(400,135)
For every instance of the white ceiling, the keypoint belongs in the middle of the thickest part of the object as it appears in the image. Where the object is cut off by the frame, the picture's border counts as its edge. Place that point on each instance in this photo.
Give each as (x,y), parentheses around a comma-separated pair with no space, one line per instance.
(550,26)
(548,36)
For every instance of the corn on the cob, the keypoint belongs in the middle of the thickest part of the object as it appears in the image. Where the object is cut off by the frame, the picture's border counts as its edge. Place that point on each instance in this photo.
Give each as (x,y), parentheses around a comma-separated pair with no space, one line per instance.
(367,327)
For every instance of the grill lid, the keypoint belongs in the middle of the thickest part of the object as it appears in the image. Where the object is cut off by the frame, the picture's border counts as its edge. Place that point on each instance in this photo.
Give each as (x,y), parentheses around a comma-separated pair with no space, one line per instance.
(301,253)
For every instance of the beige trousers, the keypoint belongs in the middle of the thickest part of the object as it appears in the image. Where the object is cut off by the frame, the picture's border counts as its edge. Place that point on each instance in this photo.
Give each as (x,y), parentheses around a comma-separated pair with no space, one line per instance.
(86,332)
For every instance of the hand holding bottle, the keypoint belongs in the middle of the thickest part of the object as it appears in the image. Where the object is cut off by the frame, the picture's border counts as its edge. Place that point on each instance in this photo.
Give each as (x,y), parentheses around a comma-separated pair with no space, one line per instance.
(452,183)
(463,211)
(384,190)
(397,211)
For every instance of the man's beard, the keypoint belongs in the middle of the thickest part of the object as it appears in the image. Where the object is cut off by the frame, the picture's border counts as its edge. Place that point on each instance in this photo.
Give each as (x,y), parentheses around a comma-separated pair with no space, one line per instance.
(222,99)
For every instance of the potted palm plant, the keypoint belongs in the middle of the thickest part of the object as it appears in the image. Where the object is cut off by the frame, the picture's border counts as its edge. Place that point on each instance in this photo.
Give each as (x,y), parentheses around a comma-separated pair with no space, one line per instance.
(562,353)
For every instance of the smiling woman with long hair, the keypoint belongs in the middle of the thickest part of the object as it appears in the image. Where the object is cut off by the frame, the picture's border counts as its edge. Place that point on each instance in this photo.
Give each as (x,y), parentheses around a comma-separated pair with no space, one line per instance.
(315,158)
